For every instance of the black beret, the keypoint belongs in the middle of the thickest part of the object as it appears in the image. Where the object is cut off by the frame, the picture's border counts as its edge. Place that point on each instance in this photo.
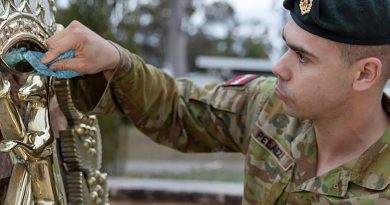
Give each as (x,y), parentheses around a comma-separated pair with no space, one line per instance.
(361,22)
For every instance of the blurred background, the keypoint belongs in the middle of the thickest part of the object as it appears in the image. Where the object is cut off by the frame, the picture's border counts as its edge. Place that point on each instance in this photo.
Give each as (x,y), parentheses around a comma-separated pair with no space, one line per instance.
(204,40)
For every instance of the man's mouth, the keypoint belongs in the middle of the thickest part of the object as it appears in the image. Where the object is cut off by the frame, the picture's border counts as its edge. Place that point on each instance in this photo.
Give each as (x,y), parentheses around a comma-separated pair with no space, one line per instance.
(279,93)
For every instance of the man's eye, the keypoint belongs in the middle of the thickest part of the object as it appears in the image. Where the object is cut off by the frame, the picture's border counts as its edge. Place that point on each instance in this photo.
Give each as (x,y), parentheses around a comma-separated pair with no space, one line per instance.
(301,58)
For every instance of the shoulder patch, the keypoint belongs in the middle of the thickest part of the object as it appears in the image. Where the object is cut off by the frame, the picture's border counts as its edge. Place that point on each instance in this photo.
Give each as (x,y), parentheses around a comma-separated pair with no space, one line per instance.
(241,80)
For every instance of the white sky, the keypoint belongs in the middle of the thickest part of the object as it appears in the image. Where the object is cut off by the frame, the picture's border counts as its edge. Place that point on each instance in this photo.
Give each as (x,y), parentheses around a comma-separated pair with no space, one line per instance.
(258,9)
(269,12)
(251,9)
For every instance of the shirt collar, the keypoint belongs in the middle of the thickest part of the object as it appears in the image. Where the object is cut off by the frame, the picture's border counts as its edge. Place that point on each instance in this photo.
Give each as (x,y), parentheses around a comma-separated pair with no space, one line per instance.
(304,150)
(371,170)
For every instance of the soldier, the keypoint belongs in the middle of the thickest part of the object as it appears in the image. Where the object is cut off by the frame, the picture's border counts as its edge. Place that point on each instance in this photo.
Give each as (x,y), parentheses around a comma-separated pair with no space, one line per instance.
(316,134)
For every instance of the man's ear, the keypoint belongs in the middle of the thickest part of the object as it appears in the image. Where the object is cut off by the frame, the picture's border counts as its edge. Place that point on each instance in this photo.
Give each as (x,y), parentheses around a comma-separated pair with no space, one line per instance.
(368,72)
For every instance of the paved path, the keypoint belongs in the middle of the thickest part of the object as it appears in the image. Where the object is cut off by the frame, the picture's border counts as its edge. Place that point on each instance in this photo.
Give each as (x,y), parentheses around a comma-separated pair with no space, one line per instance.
(176,186)
(173,192)
(177,166)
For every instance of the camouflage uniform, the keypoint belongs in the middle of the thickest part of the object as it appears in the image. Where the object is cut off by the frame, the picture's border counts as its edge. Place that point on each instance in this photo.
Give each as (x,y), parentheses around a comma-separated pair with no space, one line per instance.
(280,150)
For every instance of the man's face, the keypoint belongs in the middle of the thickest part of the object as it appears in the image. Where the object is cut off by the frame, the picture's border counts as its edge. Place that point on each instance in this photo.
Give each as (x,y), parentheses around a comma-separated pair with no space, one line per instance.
(313,81)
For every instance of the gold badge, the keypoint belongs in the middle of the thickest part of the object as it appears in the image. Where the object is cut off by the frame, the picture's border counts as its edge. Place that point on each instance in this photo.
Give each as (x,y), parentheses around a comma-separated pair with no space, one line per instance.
(305,6)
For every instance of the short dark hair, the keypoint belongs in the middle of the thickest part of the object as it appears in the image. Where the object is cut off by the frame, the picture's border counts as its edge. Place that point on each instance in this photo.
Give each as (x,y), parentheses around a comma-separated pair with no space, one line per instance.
(352,53)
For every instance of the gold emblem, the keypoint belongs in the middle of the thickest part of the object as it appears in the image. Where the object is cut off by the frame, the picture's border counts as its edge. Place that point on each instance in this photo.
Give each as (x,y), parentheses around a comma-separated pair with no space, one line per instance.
(305,6)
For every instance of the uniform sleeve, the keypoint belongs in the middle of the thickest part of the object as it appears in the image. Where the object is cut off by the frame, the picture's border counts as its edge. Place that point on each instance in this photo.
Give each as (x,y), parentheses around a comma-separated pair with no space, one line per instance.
(176,112)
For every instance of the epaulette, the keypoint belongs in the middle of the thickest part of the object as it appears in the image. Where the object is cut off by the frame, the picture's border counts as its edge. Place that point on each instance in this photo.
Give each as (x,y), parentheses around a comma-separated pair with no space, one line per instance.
(241,80)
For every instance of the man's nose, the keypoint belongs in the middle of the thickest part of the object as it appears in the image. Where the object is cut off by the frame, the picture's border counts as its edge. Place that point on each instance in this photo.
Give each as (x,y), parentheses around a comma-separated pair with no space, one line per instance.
(282,68)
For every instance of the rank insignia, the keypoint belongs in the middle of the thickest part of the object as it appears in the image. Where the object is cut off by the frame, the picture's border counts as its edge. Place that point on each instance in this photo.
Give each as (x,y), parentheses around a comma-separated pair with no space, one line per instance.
(305,6)
(241,80)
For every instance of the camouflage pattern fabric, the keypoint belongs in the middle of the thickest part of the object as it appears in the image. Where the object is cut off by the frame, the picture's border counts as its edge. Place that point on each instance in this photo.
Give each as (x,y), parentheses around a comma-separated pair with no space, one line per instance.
(280,150)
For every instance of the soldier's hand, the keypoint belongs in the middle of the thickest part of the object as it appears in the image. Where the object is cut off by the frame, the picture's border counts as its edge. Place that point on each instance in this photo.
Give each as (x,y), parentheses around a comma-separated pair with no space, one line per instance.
(93,53)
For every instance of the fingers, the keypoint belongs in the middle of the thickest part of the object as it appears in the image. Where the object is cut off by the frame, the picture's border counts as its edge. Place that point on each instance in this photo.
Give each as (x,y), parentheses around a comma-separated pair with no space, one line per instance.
(62,41)
(55,49)
(93,53)
(59,66)
(73,64)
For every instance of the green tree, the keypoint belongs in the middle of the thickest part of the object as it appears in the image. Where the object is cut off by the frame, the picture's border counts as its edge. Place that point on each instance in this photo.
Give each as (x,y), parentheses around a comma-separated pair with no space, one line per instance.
(143,27)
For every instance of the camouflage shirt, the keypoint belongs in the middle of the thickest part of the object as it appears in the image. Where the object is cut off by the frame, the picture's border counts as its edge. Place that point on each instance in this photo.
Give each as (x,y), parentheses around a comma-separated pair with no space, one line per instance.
(248,118)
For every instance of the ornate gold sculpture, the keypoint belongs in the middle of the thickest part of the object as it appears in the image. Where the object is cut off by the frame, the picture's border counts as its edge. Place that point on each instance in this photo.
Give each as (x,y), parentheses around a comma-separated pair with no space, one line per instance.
(47,169)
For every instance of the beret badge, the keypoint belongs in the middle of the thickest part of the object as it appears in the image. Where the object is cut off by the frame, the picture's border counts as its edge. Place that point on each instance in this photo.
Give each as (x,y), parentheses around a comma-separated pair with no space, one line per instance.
(305,6)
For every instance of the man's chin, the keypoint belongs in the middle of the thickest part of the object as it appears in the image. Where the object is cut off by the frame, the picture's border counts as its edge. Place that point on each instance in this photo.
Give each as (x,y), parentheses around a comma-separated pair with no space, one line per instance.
(292,112)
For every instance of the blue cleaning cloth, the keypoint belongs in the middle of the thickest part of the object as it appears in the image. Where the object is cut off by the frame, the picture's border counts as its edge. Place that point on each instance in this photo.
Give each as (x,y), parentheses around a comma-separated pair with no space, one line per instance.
(15,56)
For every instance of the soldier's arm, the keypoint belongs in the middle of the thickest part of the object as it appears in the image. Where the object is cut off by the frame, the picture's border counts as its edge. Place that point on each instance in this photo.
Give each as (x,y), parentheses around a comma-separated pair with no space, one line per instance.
(176,113)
